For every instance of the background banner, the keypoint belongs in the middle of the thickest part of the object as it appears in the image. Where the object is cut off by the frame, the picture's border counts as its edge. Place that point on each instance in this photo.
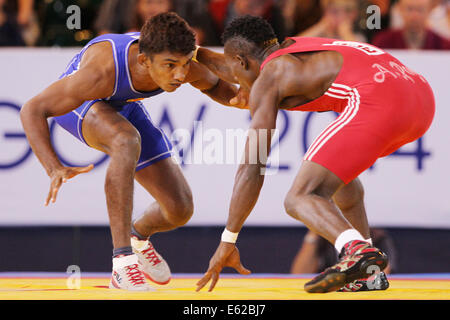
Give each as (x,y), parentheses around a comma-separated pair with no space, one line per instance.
(410,188)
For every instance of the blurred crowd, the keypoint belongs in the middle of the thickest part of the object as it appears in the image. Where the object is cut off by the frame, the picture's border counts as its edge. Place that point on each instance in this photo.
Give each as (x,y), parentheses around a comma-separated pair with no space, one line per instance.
(397,24)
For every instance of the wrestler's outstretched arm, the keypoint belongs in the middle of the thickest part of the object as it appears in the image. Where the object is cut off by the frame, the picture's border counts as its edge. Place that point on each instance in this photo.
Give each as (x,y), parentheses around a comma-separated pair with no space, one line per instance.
(280,78)
(92,81)
(215,62)
(249,178)
(221,91)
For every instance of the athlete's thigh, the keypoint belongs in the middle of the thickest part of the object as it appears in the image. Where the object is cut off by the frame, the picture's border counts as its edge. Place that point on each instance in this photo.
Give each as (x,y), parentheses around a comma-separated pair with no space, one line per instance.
(165,181)
(343,150)
(353,142)
(102,124)
(155,146)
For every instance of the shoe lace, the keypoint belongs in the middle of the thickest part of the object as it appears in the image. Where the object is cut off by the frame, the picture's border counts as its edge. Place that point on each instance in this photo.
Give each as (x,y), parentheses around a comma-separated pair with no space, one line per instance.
(346,262)
(150,255)
(357,247)
(134,274)
(352,252)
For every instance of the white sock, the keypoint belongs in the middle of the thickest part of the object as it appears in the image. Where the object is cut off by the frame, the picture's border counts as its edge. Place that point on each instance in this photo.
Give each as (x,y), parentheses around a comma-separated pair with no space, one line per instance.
(369,241)
(346,236)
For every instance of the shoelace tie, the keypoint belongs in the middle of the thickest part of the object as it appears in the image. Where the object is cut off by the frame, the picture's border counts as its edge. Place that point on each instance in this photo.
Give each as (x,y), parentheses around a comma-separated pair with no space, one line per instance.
(151,256)
(135,275)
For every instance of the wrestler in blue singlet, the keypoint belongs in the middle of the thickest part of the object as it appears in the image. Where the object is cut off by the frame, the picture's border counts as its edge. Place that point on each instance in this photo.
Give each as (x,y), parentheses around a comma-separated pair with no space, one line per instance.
(155,145)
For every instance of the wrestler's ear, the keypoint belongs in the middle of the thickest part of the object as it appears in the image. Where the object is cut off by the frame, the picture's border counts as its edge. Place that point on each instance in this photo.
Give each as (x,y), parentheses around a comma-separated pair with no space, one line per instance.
(143,59)
(243,61)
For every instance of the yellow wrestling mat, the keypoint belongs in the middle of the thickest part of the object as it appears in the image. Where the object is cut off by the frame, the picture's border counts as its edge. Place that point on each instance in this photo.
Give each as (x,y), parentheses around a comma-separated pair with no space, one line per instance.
(182,287)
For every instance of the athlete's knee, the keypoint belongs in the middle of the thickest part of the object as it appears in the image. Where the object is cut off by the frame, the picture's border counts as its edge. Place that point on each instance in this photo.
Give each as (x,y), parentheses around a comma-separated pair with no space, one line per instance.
(291,202)
(180,209)
(304,193)
(126,144)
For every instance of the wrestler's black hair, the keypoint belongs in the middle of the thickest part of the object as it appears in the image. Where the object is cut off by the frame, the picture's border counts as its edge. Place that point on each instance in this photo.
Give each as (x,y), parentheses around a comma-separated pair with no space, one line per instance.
(166,32)
(254,30)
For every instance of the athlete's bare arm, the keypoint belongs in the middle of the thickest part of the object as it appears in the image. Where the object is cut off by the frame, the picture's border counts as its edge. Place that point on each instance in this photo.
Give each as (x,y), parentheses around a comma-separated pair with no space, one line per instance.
(215,62)
(217,89)
(267,93)
(94,80)
(264,100)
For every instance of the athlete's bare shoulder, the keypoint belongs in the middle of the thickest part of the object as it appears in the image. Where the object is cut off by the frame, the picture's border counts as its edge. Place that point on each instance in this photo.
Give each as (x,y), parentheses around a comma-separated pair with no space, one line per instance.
(285,73)
(94,79)
(306,75)
(98,61)
(99,55)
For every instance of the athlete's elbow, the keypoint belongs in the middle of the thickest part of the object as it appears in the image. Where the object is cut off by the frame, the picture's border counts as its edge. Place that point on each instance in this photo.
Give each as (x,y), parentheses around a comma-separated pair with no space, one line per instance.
(32,109)
(26,112)
(31,116)
(212,91)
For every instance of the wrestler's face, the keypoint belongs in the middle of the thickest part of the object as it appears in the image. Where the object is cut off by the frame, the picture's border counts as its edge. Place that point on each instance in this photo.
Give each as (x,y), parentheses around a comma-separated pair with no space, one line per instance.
(168,70)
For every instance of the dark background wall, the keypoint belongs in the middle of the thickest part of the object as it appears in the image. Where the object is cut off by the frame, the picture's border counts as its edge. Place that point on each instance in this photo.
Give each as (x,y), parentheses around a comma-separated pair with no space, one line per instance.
(188,249)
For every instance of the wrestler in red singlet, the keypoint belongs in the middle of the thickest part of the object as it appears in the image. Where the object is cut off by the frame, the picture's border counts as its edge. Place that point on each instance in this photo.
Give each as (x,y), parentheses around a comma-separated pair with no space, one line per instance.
(382,104)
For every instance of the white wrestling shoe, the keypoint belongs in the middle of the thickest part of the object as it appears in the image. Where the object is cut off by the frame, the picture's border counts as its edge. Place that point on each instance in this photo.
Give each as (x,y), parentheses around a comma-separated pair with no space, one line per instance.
(127,274)
(154,267)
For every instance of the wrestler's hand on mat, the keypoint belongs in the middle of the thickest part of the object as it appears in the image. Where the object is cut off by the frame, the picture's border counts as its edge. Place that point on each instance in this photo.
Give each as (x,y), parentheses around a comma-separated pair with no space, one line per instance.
(60,176)
(226,255)
(241,99)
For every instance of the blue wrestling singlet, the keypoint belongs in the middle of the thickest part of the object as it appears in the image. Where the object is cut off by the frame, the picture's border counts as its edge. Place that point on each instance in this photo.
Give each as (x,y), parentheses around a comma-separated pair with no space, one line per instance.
(155,145)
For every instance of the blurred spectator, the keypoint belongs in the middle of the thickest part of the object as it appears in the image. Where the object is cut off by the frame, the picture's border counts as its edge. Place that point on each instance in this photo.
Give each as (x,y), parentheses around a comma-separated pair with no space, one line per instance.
(316,254)
(114,16)
(111,17)
(224,11)
(339,21)
(18,23)
(145,9)
(414,34)
(396,20)
(300,15)
(196,13)
(118,16)
(28,21)
(10,33)
(439,20)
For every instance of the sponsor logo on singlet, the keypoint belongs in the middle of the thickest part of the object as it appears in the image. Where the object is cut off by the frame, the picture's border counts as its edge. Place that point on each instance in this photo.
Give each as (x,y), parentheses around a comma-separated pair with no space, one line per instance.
(364,47)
